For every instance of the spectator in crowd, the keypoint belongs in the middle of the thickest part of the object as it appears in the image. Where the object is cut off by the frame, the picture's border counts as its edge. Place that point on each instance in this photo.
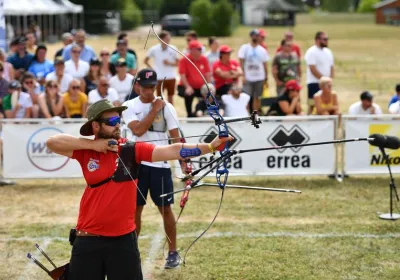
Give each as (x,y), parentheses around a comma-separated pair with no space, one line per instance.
(396,96)
(51,101)
(122,52)
(326,100)
(40,66)
(365,106)
(13,46)
(93,76)
(394,108)
(3,87)
(236,103)
(8,72)
(320,62)
(226,71)
(295,47)
(192,36)
(21,59)
(286,66)
(86,52)
(165,63)
(263,36)
(104,91)
(288,103)
(107,69)
(30,42)
(122,81)
(75,101)
(67,39)
(17,104)
(201,106)
(124,36)
(34,28)
(213,54)
(76,67)
(32,87)
(191,82)
(253,60)
(58,75)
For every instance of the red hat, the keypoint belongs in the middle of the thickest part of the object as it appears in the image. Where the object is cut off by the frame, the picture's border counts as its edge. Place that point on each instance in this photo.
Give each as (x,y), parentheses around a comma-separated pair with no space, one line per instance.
(225,49)
(262,32)
(195,45)
(292,85)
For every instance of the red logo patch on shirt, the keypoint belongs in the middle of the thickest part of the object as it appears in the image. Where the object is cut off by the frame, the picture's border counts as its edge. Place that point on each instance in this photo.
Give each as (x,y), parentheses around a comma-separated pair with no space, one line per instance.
(93,165)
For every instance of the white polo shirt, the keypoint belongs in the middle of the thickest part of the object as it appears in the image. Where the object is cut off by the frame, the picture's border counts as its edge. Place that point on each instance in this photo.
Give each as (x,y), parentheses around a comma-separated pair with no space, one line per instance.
(254,59)
(137,111)
(122,87)
(159,55)
(357,109)
(77,73)
(236,107)
(323,61)
(94,96)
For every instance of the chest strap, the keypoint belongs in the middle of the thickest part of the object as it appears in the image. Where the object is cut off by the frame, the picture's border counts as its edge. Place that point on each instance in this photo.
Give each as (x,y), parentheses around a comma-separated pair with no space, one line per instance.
(101,183)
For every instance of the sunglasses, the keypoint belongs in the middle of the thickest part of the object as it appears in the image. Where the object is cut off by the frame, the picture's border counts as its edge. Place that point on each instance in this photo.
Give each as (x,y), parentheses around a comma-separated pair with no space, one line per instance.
(53,86)
(104,54)
(104,85)
(113,121)
(324,39)
(28,82)
(75,87)
(76,52)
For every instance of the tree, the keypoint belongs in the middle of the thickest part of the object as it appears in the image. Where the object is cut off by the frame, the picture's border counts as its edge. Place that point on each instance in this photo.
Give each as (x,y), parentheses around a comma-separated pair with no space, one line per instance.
(336,5)
(200,11)
(222,25)
(367,6)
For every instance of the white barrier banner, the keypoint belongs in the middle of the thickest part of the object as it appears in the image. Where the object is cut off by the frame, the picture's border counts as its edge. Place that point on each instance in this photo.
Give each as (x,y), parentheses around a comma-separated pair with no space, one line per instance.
(362,158)
(294,161)
(26,154)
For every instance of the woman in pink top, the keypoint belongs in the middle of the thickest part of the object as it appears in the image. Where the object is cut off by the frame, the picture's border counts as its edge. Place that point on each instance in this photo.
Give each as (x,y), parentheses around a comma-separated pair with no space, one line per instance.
(8,73)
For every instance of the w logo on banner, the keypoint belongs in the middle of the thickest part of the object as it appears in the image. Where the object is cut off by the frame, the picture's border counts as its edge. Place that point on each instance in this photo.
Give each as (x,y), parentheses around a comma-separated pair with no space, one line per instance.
(149,74)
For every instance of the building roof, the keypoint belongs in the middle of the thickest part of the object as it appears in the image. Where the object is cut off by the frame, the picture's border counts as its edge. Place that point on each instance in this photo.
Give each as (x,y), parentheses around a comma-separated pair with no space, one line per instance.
(277,6)
(384,3)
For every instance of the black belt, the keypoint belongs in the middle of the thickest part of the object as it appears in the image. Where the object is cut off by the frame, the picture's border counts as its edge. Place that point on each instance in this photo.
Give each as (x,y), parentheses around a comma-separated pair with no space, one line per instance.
(101,183)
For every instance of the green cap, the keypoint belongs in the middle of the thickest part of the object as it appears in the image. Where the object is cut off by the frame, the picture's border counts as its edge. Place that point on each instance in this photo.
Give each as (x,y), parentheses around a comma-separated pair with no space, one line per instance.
(94,112)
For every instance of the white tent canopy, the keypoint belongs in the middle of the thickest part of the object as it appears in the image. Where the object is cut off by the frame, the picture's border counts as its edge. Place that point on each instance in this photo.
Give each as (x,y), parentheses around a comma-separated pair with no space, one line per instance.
(39,7)
(72,8)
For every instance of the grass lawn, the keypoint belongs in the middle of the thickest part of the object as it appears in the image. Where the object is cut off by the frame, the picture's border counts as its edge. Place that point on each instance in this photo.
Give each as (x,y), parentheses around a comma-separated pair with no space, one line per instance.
(366,54)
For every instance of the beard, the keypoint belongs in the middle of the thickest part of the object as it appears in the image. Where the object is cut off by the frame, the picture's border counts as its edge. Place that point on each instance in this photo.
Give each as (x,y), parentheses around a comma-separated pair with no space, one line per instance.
(323,45)
(116,134)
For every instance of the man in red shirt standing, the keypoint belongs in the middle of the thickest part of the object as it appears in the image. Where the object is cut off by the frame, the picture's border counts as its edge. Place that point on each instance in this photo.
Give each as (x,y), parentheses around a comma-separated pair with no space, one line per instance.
(106,240)
(191,81)
(295,48)
(226,71)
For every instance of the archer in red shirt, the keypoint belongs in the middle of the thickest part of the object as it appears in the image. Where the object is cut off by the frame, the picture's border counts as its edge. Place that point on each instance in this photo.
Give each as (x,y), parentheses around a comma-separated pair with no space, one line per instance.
(106,241)
(226,71)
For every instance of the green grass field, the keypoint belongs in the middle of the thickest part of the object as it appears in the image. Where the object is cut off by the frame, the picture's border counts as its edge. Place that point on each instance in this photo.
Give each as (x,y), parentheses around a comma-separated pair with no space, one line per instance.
(330,231)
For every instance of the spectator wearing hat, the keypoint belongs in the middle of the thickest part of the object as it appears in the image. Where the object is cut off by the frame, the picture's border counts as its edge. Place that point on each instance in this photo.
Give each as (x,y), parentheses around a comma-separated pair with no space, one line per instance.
(396,96)
(326,100)
(150,118)
(92,78)
(191,35)
(107,69)
(122,81)
(124,36)
(191,81)
(67,39)
(226,71)
(17,104)
(236,102)
(104,91)
(75,101)
(50,102)
(165,63)
(21,59)
(286,66)
(8,72)
(122,52)
(365,106)
(288,104)
(320,63)
(76,67)
(213,54)
(40,66)
(253,60)
(58,75)
(86,52)
(263,36)
(295,47)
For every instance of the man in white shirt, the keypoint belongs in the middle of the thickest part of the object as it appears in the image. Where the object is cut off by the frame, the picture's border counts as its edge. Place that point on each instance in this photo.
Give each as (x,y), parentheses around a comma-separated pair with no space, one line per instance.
(236,102)
(103,91)
(365,106)
(63,79)
(165,62)
(320,63)
(150,118)
(253,60)
(76,67)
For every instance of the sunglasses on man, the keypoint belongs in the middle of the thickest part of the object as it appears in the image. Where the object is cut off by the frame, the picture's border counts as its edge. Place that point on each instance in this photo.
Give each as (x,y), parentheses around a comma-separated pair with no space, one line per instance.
(112,121)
